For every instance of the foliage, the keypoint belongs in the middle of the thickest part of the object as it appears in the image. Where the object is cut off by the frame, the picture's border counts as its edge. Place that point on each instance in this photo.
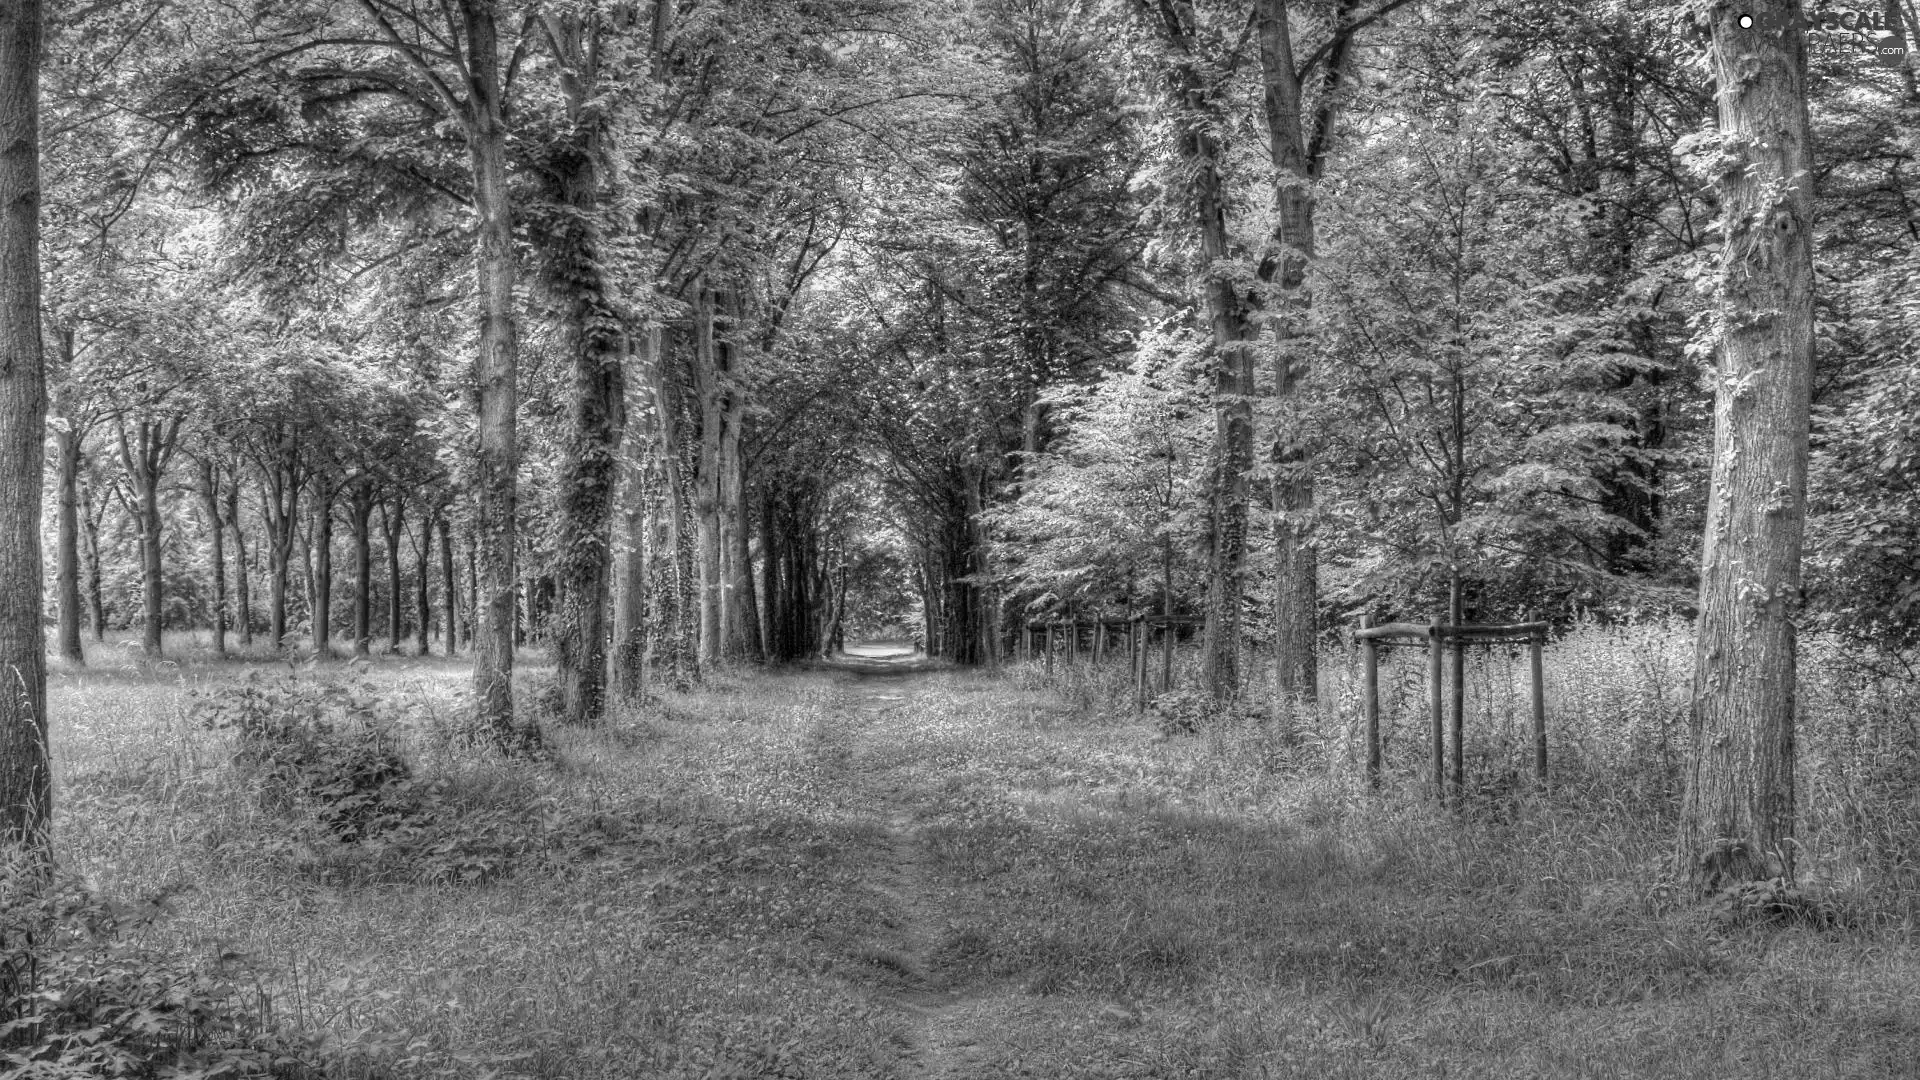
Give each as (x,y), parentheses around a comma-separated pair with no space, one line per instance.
(84,997)
(323,748)
(1109,513)
(328,755)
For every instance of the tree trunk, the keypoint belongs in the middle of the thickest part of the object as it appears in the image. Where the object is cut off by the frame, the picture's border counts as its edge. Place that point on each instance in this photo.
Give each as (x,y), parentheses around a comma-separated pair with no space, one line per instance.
(422,587)
(282,508)
(707,505)
(91,513)
(322,545)
(639,502)
(1200,150)
(67,450)
(393,522)
(145,459)
(473,593)
(1296,168)
(26,790)
(597,343)
(217,532)
(243,599)
(743,623)
(360,523)
(496,372)
(451,603)
(1738,819)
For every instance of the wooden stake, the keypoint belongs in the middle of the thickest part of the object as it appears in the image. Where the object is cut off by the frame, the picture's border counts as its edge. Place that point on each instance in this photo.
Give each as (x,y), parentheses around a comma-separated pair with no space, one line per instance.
(1049,648)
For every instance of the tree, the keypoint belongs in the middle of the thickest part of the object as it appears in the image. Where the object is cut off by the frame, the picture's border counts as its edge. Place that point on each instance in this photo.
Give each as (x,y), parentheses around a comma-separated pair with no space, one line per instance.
(249,107)
(26,787)
(1738,818)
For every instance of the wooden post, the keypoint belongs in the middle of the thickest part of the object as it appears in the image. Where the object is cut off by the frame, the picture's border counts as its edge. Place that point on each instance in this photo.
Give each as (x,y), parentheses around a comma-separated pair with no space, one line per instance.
(1073,642)
(1166,657)
(1370,694)
(1049,648)
(1536,639)
(1099,640)
(1437,708)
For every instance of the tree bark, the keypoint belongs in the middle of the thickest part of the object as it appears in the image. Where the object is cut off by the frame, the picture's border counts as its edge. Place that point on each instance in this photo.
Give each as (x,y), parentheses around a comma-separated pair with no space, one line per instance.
(496,373)
(216,533)
(26,789)
(1738,819)
(67,450)
(281,509)
(1199,121)
(243,599)
(145,459)
(1296,168)
(422,586)
(392,526)
(324,494)
(360,523)
(707,511)
(92,512)
(451,639)
(638,503)
(597,344)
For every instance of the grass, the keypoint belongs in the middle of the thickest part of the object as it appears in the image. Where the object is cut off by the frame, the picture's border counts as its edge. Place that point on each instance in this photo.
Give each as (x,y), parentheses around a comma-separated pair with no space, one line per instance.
(814,874)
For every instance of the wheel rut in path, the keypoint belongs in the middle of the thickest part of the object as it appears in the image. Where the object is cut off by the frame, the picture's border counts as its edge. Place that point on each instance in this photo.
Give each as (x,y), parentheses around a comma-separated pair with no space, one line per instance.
(880,708)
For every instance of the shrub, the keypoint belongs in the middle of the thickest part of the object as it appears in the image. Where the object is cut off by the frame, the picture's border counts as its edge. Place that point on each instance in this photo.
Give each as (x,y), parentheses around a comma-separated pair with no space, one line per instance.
(78,998)
(328,748)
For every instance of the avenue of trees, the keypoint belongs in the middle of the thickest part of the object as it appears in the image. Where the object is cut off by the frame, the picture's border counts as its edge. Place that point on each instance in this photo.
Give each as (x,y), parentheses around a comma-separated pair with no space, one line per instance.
(673,334)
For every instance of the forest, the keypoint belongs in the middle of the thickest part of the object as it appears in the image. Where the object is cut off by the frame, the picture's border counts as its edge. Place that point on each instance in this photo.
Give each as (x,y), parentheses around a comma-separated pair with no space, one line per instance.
(896,538)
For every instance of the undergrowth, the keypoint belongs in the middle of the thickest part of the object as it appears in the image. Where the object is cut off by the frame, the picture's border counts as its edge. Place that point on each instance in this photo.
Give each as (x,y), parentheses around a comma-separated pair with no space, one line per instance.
(811,875)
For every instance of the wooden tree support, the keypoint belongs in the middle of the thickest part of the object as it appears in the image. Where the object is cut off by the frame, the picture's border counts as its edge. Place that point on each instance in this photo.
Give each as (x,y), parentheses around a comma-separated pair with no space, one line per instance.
(1438,637)
(1064,636)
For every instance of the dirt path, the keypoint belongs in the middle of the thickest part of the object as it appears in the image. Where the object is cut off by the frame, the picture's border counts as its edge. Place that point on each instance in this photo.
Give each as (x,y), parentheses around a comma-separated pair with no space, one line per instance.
(880,696)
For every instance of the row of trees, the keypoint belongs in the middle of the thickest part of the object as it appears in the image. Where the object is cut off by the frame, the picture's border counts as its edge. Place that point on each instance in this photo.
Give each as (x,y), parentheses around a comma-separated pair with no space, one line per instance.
(1268,311)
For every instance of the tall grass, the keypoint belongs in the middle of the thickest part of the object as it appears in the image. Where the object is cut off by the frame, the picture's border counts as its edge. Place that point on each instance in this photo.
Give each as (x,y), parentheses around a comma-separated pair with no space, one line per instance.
(1617,703)
(1006,873)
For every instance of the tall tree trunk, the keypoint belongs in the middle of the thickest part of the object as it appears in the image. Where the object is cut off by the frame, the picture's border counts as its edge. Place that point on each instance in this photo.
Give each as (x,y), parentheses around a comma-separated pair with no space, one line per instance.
(743,624)
(422,586)
(392,525)
(281,508)
(496,373)
(91,513)
(216,533)
(67,450)
(451,601)
(1738,819)
(321,594)
(1297,160)
(1199,123)
(360,523)
(243,598)
(26,789)
(597,343)
(639,500)
(145,459)
(707,500)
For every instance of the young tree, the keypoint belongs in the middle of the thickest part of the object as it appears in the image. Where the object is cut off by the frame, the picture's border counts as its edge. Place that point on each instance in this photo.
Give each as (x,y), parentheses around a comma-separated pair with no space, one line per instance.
(26,789)
(1738,818)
